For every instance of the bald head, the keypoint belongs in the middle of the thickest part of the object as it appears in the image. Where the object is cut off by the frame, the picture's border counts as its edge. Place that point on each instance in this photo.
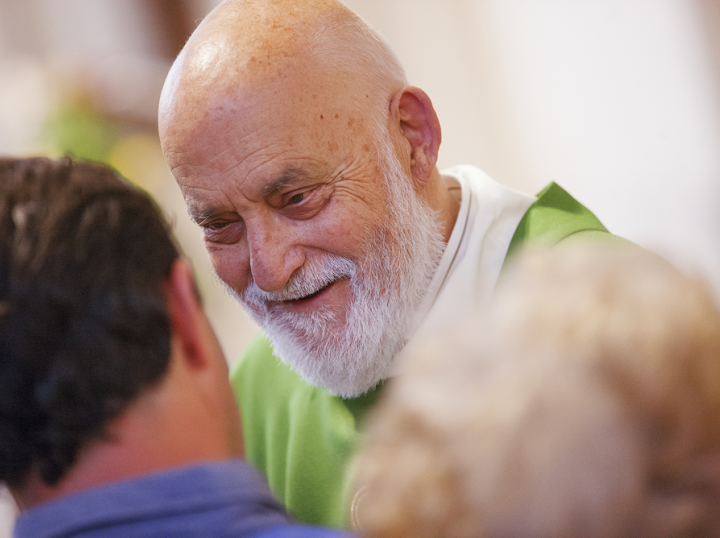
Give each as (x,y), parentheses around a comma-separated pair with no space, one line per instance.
(249,45)
(285,123)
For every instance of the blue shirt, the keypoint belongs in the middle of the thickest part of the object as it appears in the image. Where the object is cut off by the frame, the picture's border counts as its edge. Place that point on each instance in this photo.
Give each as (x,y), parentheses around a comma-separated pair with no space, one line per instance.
(210,499)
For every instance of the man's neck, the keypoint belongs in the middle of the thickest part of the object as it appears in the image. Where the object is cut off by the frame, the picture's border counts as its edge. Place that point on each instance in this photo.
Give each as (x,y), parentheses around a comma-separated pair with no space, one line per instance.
(145,439)
(445,201)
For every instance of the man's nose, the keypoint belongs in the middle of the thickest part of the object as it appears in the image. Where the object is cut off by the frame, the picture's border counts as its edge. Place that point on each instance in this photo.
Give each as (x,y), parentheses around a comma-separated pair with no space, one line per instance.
(274,254)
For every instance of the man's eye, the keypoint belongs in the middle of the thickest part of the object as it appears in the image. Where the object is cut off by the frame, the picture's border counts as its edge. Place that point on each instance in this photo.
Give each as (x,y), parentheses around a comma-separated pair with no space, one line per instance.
(296,198)
(223,231)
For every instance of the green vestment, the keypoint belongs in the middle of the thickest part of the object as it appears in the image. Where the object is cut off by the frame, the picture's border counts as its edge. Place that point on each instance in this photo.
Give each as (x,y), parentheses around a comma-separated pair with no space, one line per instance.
(302,439)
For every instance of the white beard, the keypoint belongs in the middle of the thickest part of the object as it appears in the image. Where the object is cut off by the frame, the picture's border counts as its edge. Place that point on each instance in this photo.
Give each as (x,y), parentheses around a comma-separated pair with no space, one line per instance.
(388,283)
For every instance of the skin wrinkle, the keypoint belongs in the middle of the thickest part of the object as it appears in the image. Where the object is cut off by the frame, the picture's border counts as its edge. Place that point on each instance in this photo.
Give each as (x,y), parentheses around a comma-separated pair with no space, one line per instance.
(289,177)
(181,175)
(264,88)
(199,214)
(220,116)
(337,183)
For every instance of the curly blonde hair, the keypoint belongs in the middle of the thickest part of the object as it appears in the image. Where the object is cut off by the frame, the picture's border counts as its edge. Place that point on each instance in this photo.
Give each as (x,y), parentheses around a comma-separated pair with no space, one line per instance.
(585,402)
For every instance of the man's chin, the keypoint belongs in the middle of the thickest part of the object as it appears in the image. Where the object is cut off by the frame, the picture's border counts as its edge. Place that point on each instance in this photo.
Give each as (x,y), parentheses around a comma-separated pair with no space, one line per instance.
(338,371)
(346,388)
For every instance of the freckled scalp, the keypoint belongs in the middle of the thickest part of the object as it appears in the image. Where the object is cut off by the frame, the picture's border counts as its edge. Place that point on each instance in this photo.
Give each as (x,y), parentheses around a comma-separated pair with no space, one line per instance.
(258,37)
(245,43)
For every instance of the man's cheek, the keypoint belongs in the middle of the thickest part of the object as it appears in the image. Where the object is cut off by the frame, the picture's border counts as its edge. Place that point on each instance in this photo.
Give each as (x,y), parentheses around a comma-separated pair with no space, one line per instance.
(231,273)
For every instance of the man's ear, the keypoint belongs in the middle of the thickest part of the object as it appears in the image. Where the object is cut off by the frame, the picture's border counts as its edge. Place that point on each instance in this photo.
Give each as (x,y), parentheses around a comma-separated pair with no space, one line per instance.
(185,313)
(420,126)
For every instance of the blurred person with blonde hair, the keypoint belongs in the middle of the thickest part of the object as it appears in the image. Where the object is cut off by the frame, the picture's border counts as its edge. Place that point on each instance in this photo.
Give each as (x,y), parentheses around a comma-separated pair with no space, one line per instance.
(589,407)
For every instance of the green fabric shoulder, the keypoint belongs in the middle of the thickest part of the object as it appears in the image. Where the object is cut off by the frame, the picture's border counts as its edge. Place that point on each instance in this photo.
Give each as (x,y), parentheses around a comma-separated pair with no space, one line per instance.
(556,217)
(297,435)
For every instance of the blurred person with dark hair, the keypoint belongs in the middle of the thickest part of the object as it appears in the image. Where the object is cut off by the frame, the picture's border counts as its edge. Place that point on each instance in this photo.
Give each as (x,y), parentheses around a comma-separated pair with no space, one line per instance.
(590,407)
(116,415)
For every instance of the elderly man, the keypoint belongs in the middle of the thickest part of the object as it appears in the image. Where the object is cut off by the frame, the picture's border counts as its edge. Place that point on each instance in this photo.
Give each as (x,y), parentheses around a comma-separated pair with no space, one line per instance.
(310,165)
(116,415)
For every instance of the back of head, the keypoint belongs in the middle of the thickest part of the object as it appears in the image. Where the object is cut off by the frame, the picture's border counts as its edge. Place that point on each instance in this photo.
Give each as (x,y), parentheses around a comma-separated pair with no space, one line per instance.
(83,323)
(588,406)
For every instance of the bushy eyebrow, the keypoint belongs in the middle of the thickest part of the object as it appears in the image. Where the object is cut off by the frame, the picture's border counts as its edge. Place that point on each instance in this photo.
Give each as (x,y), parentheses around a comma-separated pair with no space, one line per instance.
(289,177)
(200,214)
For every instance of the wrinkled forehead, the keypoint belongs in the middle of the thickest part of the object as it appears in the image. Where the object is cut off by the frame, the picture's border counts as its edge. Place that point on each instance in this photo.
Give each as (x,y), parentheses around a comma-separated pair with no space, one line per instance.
(291,107)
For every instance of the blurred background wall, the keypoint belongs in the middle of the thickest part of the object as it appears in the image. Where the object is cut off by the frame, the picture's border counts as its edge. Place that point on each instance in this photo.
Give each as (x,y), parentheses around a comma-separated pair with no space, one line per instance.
(616,100)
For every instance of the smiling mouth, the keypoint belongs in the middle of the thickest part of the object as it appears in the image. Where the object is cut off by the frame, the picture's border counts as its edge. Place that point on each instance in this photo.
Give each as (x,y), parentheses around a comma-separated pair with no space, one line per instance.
(301,300)
(312,295)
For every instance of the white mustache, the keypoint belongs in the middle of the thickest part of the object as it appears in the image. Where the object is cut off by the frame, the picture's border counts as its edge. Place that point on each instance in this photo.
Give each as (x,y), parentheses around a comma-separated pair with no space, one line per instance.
(308,279)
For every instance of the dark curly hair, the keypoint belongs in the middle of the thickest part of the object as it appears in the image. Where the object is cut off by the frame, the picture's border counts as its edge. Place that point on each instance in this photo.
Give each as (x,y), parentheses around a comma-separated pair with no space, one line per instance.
(84,327)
